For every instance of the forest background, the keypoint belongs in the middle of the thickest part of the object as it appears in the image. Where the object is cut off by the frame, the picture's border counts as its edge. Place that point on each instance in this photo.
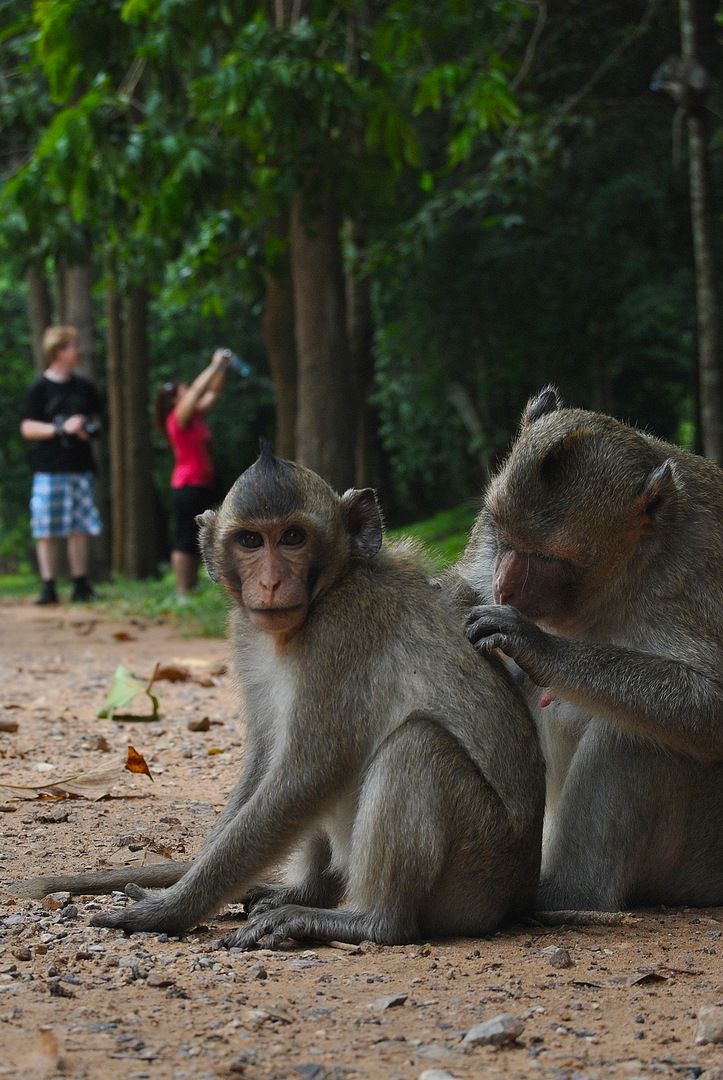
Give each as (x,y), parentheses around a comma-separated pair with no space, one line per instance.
(405,217)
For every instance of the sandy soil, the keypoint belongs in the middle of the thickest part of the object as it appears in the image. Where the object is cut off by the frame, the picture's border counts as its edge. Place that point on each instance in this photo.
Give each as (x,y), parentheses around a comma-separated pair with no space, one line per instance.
(630,1001)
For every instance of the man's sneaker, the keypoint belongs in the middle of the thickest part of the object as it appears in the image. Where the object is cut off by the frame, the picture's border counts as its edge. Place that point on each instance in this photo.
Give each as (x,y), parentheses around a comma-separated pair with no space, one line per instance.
(48,595)
(82,591)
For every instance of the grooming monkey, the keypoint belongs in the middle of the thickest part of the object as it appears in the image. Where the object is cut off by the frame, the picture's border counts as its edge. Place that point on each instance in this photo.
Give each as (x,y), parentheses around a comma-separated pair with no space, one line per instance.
(391,771)
(602,548)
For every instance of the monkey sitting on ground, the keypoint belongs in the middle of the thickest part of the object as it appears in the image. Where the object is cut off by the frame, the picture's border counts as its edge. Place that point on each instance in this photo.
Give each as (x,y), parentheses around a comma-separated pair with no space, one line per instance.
(602,548)
(395,773)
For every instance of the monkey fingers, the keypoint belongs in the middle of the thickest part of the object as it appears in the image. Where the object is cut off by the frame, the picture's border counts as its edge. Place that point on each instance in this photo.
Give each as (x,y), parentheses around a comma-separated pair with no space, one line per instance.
(498,626)
(262,897)
(275,926)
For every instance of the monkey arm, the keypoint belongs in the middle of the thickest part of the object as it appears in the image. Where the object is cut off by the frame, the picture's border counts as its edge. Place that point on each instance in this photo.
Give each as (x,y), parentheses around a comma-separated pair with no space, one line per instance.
(660,698)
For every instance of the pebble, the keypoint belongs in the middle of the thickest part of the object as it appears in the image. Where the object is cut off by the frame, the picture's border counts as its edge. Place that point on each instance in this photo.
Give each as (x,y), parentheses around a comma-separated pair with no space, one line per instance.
(710,1024)
(560,958)
(388,1002)
(501,1030)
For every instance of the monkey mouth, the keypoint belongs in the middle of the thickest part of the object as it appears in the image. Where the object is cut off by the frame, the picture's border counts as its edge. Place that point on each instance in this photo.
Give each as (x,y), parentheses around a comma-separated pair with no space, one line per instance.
(277,619)
(276,610)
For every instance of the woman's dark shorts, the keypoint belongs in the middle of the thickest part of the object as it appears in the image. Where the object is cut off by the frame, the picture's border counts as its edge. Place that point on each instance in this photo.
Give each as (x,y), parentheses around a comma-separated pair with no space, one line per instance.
(187,502)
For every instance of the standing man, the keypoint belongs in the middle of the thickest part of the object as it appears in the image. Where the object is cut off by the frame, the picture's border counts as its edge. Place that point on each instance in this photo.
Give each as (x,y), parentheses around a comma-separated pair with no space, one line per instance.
(60,417)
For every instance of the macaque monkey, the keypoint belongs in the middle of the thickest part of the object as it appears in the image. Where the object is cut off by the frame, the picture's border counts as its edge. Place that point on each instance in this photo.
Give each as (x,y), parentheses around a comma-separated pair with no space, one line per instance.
(602,548)
(397,778)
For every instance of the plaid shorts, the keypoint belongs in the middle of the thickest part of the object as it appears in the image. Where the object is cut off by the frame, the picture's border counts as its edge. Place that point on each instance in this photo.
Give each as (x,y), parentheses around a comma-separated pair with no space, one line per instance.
(62,503)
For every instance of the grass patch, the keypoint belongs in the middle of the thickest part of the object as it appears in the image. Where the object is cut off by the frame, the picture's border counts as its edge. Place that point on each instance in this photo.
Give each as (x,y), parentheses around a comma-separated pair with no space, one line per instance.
(18,586)
(444,535)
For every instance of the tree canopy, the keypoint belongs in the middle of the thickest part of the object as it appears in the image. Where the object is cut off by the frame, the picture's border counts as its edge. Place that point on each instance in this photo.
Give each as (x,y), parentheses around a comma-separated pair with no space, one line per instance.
(407,217)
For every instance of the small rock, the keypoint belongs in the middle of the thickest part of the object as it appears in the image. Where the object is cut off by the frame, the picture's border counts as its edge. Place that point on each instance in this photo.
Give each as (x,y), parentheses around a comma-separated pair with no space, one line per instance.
(560,959)
(501,1030)
(710,1024)
(310,1071)
(68,912)
(435,1074)
(389,1002)
(156,979)
(51,903)
(204,724)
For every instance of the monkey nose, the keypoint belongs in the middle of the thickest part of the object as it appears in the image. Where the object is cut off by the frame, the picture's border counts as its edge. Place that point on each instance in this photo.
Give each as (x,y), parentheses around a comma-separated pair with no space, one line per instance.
(502,596)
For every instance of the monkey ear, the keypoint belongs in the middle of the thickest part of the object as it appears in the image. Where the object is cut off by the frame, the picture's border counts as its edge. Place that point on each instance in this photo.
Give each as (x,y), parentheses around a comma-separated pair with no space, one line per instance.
(364,520)
(207,530)
(547,401)
(658,498)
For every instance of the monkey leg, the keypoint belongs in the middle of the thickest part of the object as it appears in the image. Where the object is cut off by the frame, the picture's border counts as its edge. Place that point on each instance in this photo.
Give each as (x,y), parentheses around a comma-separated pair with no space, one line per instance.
(634,825)
(430,852)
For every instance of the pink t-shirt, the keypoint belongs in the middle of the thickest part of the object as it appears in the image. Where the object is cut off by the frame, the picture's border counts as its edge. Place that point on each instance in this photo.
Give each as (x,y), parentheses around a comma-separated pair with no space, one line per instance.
(192,450)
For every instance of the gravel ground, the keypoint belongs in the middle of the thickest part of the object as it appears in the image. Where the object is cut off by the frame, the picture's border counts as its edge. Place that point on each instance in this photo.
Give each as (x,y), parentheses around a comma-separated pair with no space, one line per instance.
(643,998)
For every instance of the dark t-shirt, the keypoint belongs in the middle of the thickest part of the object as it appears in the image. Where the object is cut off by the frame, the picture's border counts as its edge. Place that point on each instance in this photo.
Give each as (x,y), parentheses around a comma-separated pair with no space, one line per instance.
(46,400)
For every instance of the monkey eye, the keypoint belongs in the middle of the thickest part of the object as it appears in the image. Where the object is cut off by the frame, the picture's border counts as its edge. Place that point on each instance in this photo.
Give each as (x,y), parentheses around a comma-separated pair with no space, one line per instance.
(250,539)
(293,536)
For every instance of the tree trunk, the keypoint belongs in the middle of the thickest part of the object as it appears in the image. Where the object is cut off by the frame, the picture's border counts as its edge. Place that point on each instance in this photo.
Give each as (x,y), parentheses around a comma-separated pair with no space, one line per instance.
(710,378)
(325,430)
(60,290)
(40,312)
(78,311)
(370,460)
(278,333)
(116,422)
(139,538)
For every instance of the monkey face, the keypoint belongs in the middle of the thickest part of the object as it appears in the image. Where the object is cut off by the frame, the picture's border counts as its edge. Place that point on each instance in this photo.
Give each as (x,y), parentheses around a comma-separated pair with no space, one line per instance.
(274,568)
(541,587)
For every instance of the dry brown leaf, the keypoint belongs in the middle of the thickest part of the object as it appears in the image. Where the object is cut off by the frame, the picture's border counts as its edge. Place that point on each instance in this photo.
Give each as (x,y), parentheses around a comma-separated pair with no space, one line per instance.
(623,980)
(94,784)
(171,673)
(123,635)
(136,763)
(149,855)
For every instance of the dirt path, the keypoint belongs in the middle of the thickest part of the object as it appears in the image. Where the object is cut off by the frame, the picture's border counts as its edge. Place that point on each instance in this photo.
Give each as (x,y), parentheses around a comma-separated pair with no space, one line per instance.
(619,1001)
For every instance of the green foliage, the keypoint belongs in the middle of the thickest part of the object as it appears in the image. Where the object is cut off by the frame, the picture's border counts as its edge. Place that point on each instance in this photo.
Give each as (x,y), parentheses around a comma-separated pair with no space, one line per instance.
(513,176)
(445,535)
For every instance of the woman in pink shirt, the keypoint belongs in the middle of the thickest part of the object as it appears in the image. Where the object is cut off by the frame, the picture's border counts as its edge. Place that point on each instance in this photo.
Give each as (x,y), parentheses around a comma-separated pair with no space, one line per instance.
(179,416)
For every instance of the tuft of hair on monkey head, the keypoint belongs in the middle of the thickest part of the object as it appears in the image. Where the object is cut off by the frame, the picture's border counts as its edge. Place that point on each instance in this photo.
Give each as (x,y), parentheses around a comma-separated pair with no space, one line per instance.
(282,535)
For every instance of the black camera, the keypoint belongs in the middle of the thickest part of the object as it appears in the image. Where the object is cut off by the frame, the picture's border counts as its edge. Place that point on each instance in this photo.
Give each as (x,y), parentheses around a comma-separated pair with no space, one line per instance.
(91,428)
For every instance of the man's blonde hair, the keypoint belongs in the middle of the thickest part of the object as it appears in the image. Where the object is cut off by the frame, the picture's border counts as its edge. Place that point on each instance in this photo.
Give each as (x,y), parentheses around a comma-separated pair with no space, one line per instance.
(57,337)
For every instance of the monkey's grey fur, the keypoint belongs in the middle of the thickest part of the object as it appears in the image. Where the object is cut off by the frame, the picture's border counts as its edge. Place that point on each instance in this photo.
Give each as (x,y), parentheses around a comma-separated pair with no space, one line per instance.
(605,547)
(386,767)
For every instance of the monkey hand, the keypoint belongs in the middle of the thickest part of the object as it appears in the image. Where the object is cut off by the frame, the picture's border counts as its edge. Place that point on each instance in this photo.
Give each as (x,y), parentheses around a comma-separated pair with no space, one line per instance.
(498,626)
(266,897)
(147,914)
